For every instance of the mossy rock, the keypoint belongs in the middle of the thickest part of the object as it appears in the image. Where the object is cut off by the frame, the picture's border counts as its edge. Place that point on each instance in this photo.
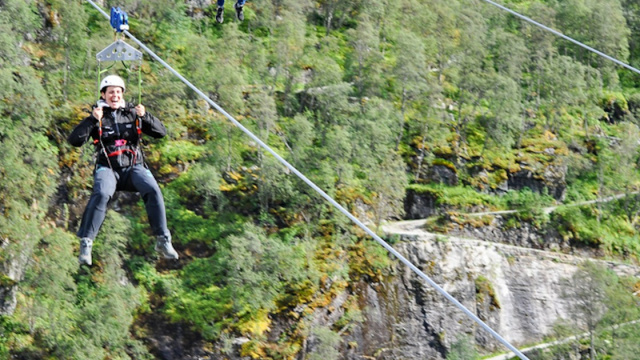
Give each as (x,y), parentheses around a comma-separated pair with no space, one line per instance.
(615,106)
(633,101)
(445,163)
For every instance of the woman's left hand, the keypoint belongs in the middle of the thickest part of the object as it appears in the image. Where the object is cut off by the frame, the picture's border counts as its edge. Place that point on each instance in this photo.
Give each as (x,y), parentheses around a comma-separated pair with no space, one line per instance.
(140,110)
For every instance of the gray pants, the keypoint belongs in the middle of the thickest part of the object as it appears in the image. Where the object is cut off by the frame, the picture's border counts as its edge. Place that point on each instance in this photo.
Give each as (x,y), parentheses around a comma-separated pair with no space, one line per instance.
(134,178)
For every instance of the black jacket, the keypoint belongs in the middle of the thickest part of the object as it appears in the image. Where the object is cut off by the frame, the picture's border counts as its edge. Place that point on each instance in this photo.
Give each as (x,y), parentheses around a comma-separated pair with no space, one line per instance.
(119,135)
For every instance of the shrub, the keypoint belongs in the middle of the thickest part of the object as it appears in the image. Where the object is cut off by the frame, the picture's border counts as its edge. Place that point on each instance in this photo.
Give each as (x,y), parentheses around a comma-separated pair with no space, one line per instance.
(457,197)
(615,105)
(530,206)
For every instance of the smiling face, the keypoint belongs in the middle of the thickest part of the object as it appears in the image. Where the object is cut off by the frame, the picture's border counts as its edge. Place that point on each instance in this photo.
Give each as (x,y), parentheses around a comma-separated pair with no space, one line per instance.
(113,96)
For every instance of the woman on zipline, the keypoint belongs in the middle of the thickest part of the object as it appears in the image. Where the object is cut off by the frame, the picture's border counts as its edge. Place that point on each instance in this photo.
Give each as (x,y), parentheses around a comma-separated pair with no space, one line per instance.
(116,128)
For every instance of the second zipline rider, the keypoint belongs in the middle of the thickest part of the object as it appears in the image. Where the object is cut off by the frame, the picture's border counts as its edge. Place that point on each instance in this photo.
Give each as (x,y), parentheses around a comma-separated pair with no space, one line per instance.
(116,128)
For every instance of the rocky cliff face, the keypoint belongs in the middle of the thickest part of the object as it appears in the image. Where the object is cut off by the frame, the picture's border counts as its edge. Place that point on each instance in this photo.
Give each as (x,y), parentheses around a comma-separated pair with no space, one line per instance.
(12,268)
(516,291)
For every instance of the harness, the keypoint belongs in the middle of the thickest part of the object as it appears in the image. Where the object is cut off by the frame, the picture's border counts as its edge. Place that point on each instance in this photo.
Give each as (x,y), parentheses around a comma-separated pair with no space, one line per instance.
(121,142)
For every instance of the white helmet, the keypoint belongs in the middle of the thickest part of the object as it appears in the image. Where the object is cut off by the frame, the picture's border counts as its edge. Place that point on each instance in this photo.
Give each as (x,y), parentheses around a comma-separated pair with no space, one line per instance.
(112,80)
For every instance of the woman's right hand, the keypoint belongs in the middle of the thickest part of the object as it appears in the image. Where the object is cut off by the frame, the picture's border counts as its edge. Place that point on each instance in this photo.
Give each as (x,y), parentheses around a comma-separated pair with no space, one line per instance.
(97,113)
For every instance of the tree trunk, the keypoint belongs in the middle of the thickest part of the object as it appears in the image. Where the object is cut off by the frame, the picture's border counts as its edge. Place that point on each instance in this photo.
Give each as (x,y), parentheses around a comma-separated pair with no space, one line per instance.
(402,109)
(600,191)
(592,345)
(421,155)
(329,16)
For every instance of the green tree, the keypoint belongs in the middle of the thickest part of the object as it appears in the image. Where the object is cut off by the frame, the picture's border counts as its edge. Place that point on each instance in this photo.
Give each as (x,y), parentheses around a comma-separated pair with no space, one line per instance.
(206,179)
(502,121)
(444,31)
(298,137)
(622,161)
(238,287)
(74,315)
(373,133)
(327,345)
(588,293)
(560,83)
(28,160)
(599,24)
(68,38)
(411,74)
(388,189)
(228,75)
(365,61)
(463,349)
(509,52)
(472,74)
(334,12)
(631,11)
(289,52)
(331,107)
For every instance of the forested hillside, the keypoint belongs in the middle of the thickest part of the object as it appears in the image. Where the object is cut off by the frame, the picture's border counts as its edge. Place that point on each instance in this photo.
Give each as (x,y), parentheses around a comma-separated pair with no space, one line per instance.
(380,103)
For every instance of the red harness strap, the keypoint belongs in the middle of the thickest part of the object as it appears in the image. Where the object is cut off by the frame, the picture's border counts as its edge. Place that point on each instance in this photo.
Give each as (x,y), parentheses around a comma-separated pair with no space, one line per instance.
(122,151)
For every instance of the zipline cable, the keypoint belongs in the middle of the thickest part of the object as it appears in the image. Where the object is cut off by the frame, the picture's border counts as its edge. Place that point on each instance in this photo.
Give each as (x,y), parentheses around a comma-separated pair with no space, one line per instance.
(563,36)
(324,195)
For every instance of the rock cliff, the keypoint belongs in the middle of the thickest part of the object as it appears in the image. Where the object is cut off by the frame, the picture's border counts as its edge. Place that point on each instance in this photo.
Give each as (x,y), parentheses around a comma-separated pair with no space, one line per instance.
(516,291)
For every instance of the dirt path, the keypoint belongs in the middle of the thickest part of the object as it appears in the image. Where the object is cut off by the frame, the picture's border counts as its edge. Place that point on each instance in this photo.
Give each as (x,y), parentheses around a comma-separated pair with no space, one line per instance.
(550,209)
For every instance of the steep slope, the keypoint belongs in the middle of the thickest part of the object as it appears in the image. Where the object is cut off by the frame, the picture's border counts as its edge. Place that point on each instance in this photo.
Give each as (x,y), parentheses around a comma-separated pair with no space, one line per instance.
(362,97)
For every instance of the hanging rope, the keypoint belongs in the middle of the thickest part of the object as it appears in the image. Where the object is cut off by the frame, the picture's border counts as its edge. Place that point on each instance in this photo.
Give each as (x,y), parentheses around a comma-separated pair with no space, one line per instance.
(564,36)
(324,195)
(140,82)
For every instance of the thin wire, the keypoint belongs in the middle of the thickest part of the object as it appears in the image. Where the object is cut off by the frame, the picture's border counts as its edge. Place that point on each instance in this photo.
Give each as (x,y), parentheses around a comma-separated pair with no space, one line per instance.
(325,196)
(564,36)
(140,81)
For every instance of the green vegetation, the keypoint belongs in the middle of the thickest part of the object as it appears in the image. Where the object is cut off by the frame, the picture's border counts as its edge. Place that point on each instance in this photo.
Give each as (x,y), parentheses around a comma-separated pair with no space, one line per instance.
(603,307)
(463,349)
(463,198)
(486,293)
(369,99)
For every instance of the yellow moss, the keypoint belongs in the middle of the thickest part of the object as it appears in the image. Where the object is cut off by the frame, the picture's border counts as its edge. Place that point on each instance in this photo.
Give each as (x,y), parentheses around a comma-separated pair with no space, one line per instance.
(166,169)
(498,177)
(445,163)
(430,266)
(443,150)
(418,143)
(636,289)
(226,187)
(484,287)
(235,175)
(476,221)
(549,136)
(70,158)
(294,315)
(254,349)
(35,50)
(257,325)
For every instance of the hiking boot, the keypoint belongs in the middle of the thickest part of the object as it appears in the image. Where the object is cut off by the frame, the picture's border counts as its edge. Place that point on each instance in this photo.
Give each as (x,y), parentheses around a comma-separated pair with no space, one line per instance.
(219,15)
(163,246)
(239,12)
(85,251)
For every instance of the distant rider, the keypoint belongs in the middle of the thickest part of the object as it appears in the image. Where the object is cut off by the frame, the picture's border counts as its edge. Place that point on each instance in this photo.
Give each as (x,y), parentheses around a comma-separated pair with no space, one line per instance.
(239,10)
(116,128)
